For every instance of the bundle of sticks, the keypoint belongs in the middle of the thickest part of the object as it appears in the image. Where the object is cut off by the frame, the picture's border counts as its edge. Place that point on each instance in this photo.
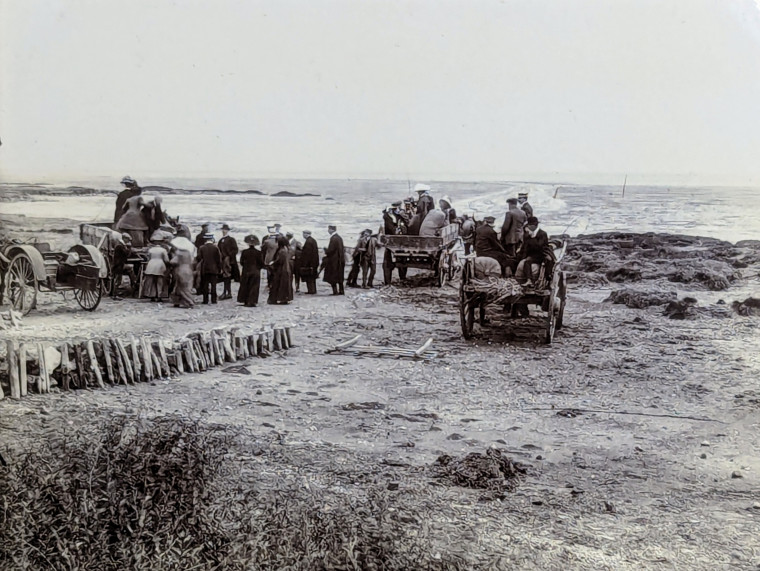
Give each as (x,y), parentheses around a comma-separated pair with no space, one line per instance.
(497,290)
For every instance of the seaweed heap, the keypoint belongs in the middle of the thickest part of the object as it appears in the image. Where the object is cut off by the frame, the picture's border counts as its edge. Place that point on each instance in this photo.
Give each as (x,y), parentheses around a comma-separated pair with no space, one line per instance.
(489,471)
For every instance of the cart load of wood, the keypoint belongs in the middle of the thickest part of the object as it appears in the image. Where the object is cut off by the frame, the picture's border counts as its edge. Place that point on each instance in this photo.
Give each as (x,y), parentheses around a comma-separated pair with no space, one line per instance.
(496,290)
(91,363)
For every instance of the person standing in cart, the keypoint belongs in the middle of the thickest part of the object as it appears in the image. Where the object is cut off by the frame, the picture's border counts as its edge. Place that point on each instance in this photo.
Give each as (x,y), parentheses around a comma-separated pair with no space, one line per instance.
(131,188)
(522,200)
(228,248)
(512,229)
(334,262)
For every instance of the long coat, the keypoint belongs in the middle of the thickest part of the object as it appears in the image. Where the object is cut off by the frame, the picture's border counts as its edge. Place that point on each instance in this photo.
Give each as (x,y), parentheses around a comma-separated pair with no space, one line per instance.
(512,229)
(121,200)
(228,248)
(209,255)
(250,278)
(309,260)
(334,260)
(281,290)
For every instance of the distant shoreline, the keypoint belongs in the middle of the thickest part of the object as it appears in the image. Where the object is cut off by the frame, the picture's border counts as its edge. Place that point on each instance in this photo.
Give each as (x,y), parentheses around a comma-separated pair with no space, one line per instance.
(21,191)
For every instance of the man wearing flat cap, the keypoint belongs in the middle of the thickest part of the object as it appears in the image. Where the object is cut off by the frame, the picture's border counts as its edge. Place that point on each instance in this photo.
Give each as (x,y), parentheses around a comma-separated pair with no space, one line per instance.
(228,248)
(487,245)
(512,229)
(210,262)
(309,262)
(522,201)
(334,261)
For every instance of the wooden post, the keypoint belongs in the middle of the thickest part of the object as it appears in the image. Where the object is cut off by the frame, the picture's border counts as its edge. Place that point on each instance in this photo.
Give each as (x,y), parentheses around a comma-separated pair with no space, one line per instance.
(65,367)
(289,335)
(225,341)
(83,373)
(156,363)
(135,359)
(120,366)
(22,369)
(202,362)
(187,350)
(13,370)
(164,361)
(130,373)
(177,352)
(146,360)
(44,384)
(105,346)
(94,367)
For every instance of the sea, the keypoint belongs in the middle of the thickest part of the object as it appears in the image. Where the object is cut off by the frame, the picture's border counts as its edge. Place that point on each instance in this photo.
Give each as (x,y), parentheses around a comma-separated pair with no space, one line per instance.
(727,213)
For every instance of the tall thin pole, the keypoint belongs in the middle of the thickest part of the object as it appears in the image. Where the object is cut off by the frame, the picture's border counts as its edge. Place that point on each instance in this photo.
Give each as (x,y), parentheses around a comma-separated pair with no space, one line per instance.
(625,181)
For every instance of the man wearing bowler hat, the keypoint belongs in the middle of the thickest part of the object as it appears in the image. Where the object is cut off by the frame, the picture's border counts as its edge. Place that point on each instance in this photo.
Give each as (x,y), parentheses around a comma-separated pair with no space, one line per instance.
(228,248)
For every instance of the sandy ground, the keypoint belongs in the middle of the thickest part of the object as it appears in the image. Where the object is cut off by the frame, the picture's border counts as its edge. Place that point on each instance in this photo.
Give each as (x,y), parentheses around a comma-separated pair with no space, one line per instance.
(640,431)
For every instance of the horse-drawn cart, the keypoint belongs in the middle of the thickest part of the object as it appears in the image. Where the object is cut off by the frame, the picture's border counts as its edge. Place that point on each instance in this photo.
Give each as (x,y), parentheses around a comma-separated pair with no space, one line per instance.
(27,269)
(548,291)
(436,253)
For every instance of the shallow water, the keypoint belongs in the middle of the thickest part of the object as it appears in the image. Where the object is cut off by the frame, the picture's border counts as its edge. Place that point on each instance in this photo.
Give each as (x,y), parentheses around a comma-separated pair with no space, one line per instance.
(731,214)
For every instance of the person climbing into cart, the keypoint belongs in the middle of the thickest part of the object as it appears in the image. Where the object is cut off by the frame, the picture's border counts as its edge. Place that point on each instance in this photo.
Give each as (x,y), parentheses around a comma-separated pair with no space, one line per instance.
(131,188)
(487,245)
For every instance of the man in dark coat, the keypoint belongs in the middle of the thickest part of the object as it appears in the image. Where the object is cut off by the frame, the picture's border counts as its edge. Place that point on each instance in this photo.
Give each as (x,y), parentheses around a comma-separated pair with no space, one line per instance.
(369,260)
(512,229)
(425,202)
(309,262)
(200,238)
(522,200)
(487,245)
(356,256)
(269,248)
(211,266)
(536,250)
(228,248)
(334,262)
(281,290)
(131,188)
(295,249)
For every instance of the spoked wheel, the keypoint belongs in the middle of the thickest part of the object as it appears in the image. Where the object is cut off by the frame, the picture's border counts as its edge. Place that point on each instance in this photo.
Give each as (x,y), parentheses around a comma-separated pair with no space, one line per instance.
(22,284)
(562,298)
(467,315)
(107,283)
(551,317)
(89,299)
(443,270)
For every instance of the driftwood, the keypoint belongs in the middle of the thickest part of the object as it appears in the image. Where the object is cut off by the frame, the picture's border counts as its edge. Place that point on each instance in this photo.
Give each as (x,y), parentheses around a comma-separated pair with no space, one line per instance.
(135,360)
(13,369)
(106,348)
(43,386)
(351,347)
(22,369)
(663,415)
(94,367)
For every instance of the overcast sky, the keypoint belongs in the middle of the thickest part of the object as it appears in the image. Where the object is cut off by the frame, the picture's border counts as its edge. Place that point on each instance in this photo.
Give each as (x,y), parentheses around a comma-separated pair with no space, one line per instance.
(460,89)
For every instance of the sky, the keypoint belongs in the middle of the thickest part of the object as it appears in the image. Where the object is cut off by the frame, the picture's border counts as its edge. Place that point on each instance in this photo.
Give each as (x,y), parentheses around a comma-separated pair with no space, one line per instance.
(459,90)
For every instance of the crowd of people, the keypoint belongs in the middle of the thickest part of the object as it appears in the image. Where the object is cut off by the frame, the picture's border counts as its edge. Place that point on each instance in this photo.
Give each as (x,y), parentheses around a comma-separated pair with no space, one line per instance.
(181,267)
(161,260)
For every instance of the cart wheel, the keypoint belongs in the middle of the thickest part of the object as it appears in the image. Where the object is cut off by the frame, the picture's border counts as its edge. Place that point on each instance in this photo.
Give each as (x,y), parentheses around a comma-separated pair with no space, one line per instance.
(89,299)
(443,270)
(551,318)
(466,308)
(106,283)
(562,298)
(21,284)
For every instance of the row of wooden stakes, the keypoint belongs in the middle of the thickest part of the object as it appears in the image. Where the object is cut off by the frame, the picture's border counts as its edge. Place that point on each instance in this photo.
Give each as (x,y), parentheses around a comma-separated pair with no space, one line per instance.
(95,362)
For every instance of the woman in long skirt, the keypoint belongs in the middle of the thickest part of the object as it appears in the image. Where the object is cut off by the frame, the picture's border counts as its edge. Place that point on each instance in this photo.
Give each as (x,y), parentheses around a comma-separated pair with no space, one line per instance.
(281,291)
(182,296)
(250,277)
(155,273)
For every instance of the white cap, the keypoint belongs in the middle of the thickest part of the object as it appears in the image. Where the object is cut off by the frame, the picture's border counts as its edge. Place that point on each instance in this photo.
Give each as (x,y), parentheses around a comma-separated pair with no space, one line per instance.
(419,187)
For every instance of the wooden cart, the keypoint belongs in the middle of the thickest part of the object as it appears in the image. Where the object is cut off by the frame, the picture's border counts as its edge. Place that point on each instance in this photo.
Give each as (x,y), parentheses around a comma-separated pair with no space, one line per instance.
(27,269)
(549,293)
(436,253)
(100,235)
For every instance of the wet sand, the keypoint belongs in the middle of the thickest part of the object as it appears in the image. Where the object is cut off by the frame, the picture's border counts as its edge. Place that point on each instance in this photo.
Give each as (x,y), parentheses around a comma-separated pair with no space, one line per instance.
(639,431)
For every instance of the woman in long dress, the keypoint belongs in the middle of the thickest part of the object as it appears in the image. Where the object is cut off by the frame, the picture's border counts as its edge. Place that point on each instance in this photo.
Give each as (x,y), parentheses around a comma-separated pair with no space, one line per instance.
(155,273)
(182,296)
(281,291)
(250,278)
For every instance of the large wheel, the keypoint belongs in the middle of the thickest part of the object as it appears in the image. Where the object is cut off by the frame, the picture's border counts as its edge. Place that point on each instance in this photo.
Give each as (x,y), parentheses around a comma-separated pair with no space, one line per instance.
(107,283)
(21,284)
(562,299)
(466,307)
(551,316)
(443,270)
(89,299)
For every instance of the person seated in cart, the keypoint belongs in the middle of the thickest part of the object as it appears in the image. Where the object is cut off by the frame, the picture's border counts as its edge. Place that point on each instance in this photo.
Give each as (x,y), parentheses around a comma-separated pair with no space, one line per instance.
(467,232)
(536,251)
(487,245)
(445,205)
(434,221)
(395,220)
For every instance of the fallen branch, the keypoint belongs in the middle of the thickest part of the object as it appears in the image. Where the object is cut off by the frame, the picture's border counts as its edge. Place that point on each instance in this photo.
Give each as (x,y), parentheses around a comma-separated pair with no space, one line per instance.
(685,417)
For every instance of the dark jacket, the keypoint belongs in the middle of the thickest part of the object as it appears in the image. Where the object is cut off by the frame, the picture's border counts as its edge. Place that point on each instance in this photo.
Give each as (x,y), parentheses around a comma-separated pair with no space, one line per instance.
(487,243)
(199,239)
(334,261)
(269,248)
(228,248)
(281,289)
(252,261)
(309,261)
(512,229)
(535,248)
(527,208)
(210,258)
(424,205)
